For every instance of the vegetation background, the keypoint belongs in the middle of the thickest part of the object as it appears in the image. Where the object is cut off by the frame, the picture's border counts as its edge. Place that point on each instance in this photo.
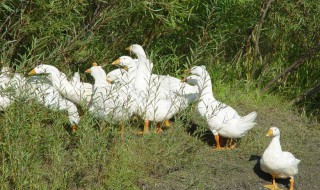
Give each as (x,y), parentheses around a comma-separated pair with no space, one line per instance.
(262,55)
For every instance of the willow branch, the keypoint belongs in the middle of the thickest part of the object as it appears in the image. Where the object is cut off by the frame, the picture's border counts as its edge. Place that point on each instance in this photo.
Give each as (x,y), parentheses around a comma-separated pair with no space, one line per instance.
(263,15)
(306,94)
(292,68)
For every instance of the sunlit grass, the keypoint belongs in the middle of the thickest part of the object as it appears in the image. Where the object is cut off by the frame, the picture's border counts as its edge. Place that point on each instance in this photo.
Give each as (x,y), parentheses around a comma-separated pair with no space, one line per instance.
(38,152)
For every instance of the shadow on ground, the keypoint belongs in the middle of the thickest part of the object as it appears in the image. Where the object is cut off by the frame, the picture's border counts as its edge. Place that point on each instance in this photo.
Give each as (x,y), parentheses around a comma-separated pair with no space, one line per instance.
(265,176)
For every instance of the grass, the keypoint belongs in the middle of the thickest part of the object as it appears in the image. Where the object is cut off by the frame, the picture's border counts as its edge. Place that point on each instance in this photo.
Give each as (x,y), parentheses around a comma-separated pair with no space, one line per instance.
(38,153)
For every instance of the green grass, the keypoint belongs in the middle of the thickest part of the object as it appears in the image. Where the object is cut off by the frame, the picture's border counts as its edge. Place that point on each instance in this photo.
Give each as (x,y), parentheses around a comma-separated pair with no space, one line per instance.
(37,152)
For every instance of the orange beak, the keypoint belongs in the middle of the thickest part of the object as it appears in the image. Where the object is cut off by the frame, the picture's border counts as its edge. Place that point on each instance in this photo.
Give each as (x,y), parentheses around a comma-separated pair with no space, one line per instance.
(116,62)
(125,68)
(88,71)
(109,81)
(32,72)
(269,133)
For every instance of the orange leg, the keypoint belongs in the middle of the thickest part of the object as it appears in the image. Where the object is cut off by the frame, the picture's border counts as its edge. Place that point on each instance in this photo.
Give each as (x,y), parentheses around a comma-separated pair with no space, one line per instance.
(231,145)
(74,128)
(121,128)
(167,123)
(291,183)
(146,126)
(274,185)
(216,137)
(274,182)
(159,129)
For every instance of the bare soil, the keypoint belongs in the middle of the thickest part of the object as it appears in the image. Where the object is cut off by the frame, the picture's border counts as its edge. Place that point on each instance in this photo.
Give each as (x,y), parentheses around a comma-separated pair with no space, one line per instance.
(206,168)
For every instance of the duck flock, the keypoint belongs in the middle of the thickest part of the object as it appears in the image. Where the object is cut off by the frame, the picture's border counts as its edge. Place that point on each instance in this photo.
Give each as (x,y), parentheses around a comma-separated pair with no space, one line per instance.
(131,90)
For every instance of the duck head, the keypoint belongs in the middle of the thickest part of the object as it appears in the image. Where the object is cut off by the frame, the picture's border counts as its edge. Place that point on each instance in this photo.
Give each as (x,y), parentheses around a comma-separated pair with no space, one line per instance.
(125,62)
(198,70)
(273,131)
(97,72)
(43,68)
(192,79)
(136,49)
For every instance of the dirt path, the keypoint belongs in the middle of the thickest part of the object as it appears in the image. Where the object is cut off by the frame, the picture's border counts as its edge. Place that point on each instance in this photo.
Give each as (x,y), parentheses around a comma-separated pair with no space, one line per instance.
(192,163)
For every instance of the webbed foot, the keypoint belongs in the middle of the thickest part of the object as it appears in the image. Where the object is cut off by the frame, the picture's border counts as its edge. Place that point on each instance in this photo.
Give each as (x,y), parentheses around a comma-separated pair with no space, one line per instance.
(272,187)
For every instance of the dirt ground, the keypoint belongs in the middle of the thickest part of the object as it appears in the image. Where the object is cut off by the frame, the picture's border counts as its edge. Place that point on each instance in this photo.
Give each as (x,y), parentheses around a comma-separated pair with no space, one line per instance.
(239,168)
(182,157)
(297,136)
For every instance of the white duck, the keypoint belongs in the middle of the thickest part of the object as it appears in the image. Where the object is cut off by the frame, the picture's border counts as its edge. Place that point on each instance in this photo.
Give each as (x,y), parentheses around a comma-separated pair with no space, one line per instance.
(79,93)
(119,74)
(45,94)
(5,100)
(151,106)
(127,72)
(4,76)
(110,101)
(76,81)
(40,89)
(222,119)
(162,84)
(278,163)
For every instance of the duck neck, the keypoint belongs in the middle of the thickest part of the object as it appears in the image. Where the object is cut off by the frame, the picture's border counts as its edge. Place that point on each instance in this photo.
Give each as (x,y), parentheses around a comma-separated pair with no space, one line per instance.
(205,88)
(143,74)
(58,80)
(142,57)
(132,72)
(100,78)
(275,144)
(61,83)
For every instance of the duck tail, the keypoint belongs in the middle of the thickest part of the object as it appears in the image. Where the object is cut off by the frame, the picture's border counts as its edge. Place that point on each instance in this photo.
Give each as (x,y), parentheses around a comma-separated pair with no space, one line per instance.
(247,122)
(246,126)
(249,118)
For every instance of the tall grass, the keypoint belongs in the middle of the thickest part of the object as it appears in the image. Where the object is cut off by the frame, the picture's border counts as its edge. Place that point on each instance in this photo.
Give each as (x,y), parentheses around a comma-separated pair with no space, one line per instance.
(36,151)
